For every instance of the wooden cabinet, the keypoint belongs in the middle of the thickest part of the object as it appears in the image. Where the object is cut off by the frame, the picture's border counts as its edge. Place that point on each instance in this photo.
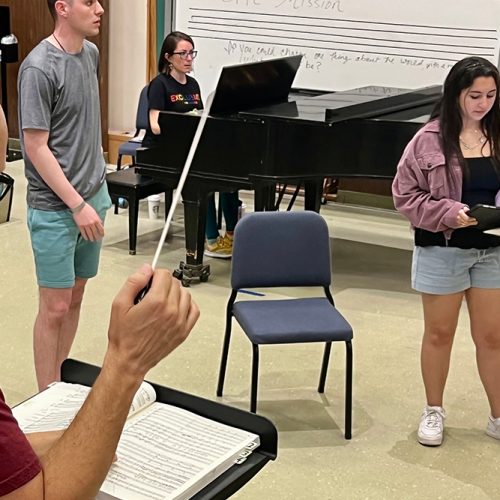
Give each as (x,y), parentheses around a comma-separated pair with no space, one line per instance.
(31,22)
(115,139)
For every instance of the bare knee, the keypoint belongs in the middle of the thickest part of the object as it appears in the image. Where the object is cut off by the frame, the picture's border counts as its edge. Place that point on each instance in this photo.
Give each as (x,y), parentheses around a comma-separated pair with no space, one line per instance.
(438,336)
(54,311)
(488,340)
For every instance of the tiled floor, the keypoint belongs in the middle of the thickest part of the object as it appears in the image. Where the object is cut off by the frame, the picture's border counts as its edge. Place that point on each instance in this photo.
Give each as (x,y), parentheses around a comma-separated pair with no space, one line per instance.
(371,265)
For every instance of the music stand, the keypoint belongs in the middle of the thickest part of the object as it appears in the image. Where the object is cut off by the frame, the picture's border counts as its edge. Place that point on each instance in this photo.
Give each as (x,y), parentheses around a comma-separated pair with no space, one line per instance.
(222,487)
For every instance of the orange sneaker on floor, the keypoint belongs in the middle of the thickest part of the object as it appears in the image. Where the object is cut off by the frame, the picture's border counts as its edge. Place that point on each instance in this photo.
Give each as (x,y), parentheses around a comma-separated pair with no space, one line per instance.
(221,249)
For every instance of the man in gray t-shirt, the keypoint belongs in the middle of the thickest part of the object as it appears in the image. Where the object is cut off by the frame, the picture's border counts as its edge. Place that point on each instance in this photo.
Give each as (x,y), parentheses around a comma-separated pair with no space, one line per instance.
(59,116)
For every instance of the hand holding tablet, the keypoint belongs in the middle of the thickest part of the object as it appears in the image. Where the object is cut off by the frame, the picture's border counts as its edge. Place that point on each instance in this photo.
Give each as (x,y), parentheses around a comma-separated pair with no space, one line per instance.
(487,216)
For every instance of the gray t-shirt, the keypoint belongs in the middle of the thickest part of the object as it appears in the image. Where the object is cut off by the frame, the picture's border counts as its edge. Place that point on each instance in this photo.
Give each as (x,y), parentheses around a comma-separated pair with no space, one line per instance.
(59,93)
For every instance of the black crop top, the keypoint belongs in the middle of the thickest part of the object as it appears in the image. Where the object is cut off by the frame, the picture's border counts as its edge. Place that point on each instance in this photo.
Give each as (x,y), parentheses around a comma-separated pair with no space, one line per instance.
(480,185)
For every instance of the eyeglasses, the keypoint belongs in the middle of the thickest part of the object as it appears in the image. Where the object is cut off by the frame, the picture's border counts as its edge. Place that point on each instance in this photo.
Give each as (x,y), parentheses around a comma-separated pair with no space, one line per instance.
(183,54)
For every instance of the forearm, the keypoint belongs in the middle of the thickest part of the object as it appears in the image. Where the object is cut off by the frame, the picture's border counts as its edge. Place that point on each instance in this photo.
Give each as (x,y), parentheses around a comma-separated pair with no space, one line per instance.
(154,115)
(50,171)
(86,450)
(42,442)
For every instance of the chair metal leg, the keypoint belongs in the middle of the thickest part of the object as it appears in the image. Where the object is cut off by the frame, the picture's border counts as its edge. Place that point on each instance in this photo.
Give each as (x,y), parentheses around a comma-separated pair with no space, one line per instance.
(133,216)
(225,346)
(348,390)
(255,378)
(118,167)
(324,367)
(294,197)
(329,295)
(281,188)
(223,360)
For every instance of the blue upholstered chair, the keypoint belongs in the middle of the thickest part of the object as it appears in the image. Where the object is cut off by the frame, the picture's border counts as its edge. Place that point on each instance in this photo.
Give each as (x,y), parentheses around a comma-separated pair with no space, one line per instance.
(141,123)
(285,249)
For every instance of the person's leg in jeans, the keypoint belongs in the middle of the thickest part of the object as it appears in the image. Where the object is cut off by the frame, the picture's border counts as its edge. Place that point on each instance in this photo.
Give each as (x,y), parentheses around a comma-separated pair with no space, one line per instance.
(230,204)
(218,246)
(211,230)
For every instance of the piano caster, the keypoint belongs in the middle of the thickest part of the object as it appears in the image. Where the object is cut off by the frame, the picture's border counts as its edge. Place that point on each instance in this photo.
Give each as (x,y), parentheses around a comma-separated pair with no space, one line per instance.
(177,274)
(189,272)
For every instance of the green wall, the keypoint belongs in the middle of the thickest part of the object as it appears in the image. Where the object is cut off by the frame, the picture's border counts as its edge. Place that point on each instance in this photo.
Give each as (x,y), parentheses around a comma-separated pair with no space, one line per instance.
(160,25)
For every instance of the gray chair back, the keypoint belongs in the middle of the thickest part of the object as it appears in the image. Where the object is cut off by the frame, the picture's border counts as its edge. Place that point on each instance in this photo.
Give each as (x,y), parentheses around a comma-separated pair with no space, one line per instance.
(272,249)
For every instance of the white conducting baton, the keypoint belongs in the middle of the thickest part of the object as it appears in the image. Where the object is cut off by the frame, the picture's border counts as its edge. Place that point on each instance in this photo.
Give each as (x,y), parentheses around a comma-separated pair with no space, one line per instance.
(178,191)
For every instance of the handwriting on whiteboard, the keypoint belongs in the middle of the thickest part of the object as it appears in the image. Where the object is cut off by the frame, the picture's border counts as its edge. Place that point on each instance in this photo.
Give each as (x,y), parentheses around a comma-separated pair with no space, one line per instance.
(344,42)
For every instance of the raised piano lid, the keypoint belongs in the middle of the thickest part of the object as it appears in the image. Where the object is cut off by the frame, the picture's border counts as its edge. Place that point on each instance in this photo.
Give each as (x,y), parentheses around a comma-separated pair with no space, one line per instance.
(251,85)
(363,102)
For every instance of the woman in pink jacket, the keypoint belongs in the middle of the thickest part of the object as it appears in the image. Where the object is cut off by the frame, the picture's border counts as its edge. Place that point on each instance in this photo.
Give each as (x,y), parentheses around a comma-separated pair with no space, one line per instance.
(452,164)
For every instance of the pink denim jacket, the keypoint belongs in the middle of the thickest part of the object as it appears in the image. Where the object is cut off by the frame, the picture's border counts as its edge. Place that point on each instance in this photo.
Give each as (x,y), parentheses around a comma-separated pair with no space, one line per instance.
(426,190)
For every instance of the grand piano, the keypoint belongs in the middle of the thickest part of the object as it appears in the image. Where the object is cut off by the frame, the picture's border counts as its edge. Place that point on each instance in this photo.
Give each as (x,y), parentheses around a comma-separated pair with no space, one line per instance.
(259,134)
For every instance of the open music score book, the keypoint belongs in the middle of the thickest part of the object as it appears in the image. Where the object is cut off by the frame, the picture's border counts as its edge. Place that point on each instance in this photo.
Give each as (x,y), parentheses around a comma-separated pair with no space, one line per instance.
(164,452)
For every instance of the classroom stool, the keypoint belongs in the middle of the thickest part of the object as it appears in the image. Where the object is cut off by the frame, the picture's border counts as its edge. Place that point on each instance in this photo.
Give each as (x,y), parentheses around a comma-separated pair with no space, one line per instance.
(134,187)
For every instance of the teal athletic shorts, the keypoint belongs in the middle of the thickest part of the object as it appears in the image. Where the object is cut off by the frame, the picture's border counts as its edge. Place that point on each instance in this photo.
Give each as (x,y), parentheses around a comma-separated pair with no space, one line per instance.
(60,252)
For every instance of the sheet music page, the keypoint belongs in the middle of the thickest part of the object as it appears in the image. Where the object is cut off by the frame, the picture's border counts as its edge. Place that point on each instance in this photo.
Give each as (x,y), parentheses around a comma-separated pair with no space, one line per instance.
(52,409)
(167,452)
(144,397)
(56,407)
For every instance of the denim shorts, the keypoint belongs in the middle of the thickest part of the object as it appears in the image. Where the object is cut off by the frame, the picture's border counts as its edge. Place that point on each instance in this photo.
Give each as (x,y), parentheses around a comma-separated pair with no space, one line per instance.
(60,252)
(444,270)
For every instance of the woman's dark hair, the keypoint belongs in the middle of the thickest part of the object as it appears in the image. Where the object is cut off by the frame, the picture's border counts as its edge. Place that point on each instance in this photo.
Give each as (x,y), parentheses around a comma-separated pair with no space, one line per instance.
(169,46)
(447,109)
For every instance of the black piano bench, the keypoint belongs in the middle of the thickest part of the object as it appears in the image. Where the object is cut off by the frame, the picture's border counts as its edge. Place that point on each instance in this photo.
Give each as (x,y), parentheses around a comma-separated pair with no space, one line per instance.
(134,187)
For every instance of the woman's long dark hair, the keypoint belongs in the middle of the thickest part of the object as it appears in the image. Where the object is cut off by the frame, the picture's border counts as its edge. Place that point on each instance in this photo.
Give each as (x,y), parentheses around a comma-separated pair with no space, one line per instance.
(168,47)
(447,109)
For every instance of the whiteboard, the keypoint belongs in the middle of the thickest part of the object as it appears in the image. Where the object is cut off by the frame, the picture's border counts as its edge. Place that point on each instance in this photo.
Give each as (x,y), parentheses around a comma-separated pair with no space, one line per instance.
(345,43)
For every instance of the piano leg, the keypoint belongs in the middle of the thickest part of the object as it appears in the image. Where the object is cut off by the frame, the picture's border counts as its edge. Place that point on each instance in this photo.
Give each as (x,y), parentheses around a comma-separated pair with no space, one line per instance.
(195,216)
(264,197)
(313,189)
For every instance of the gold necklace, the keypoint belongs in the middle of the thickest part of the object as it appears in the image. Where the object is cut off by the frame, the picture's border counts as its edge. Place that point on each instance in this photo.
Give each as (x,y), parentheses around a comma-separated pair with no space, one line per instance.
(480,142)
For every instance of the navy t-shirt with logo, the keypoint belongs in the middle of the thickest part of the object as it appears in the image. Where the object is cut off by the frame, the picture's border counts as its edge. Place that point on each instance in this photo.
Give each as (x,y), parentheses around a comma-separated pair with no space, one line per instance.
(165,93)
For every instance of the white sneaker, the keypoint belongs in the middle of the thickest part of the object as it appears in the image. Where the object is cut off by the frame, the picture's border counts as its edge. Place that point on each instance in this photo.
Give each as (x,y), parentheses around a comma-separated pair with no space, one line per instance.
(431,428)
(493,428)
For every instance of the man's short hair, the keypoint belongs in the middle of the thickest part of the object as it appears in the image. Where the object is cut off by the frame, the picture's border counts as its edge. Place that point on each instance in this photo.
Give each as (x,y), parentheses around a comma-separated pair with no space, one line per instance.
(52,7)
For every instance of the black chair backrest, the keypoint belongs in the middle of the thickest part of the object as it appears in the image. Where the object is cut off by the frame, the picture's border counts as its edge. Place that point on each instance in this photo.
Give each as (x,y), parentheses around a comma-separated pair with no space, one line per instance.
(7,181)
(6,188)
(273,249)
(142,116)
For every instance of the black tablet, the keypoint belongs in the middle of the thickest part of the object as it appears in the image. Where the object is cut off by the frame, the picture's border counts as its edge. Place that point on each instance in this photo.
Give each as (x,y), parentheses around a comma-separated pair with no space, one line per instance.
(488,216)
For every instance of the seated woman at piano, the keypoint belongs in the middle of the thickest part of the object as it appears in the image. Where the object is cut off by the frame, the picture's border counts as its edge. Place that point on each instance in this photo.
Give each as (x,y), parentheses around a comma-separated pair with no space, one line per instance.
(174,90)
(452,164)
